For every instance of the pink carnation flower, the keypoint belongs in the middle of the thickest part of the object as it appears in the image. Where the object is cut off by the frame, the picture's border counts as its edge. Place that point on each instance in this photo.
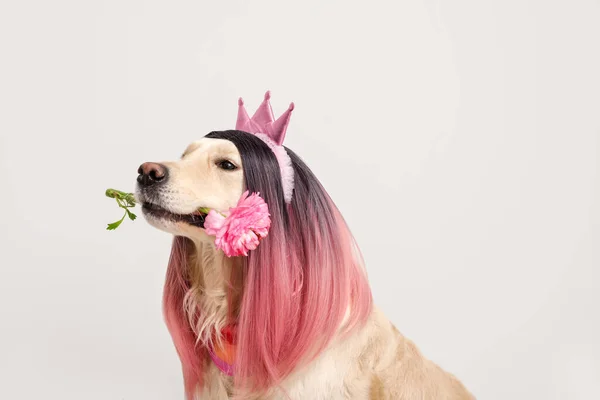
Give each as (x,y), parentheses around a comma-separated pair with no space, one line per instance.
(241,228)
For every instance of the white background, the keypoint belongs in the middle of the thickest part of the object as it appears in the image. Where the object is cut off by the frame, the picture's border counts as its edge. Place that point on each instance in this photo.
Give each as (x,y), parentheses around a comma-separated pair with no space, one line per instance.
(460,139)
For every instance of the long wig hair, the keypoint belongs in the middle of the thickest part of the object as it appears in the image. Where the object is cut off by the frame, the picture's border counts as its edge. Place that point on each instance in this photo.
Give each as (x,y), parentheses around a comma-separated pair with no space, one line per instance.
(304,285)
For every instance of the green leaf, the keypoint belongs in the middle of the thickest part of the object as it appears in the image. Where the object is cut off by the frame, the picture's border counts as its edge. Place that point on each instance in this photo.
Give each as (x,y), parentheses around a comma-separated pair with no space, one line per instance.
(116,224)
(125,201)
(131,215)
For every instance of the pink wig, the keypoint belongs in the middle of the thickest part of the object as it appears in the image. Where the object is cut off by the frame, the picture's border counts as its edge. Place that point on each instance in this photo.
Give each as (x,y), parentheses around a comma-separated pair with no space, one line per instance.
(303,286)
(176,286)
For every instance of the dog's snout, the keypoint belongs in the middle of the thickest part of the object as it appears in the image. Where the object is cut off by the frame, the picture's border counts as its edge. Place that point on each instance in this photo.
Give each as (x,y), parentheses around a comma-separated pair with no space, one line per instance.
(151,173)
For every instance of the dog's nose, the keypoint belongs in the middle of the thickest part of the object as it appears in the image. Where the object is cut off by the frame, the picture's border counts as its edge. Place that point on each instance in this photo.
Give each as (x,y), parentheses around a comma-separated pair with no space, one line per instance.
(151,173)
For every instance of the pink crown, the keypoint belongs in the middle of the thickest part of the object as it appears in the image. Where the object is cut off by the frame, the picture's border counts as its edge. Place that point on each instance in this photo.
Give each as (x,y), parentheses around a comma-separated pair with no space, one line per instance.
(272,132)
(263,120)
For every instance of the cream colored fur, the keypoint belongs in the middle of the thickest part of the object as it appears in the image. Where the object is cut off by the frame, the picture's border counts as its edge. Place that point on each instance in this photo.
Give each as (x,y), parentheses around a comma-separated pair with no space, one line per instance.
(374,363)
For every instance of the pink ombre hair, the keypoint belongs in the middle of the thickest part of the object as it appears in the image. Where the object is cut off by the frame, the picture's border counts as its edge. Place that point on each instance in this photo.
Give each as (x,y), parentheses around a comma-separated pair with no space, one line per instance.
(177,284)
(303,286)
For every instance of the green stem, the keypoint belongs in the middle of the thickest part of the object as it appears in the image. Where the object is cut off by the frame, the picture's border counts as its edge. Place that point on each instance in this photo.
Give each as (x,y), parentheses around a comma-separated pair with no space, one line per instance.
(127,200)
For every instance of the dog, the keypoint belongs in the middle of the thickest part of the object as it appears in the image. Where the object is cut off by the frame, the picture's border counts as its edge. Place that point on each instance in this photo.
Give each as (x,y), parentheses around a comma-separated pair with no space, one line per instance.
(295,318)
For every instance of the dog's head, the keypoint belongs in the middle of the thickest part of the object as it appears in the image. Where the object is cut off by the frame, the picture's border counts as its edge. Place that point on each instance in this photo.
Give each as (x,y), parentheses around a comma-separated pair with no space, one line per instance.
(209,174)
(299,285)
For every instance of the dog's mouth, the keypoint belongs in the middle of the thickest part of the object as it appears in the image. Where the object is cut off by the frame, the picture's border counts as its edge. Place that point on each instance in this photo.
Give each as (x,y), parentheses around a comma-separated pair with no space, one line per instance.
(194,219)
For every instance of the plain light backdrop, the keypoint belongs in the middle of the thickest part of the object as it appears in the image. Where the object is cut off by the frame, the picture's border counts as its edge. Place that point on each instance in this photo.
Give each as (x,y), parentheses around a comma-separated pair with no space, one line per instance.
(460,139)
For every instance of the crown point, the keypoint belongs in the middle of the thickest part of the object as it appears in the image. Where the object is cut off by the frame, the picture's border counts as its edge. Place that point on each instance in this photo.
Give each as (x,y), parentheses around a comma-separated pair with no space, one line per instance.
(291,108)
(268,95)
(240,102)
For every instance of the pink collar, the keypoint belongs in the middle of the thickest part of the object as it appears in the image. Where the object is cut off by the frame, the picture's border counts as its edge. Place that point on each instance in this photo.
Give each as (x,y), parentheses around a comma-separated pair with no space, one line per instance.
(225,367)
(224,355)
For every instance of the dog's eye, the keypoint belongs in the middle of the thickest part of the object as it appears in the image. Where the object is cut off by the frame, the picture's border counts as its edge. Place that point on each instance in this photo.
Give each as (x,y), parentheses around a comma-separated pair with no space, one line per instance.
(226,165)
